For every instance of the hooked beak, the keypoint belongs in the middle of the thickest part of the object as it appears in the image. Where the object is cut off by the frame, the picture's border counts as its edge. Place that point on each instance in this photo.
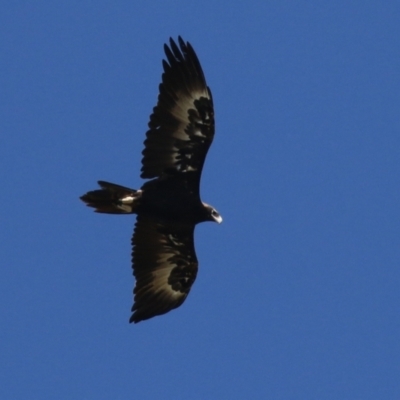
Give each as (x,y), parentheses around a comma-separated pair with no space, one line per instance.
(218,219)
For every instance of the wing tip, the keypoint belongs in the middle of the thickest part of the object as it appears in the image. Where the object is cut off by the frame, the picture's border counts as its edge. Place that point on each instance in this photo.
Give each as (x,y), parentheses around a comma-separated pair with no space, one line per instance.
(134,319)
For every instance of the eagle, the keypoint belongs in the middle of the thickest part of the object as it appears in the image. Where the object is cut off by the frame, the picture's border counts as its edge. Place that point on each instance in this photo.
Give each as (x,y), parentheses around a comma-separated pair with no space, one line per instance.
(168,205)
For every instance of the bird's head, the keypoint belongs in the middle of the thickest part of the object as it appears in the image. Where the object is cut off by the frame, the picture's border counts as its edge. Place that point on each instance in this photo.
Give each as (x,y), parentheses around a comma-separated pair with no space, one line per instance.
(212,214)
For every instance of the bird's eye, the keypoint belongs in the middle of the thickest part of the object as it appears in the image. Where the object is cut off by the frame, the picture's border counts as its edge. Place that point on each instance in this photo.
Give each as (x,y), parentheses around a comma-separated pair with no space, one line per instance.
(214,213)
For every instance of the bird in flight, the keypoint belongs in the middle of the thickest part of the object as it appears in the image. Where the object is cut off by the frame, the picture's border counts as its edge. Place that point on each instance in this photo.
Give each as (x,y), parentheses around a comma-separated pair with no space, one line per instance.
(168,205)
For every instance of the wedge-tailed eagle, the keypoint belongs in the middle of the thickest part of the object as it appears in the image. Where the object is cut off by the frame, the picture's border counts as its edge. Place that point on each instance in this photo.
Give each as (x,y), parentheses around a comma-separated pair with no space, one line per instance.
(168,205)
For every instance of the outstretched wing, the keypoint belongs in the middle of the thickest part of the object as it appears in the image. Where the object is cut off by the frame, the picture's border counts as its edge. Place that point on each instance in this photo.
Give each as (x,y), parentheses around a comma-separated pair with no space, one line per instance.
(164,265)
(181,127)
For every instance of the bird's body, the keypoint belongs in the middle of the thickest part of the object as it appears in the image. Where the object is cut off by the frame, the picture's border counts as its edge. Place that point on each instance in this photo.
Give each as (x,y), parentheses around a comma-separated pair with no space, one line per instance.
(168,205)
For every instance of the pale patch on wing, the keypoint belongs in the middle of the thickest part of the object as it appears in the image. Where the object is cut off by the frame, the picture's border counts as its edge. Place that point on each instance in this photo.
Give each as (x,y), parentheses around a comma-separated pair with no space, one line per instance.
(160,283)
(164,265)
(180,111)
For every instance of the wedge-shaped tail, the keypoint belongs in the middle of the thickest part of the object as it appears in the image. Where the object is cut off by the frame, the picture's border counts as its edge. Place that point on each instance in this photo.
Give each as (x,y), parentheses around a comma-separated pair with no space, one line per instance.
(112,199)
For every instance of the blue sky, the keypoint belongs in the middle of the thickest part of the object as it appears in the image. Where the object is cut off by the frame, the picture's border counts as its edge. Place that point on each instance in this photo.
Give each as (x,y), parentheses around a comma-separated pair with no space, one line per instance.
(297,295)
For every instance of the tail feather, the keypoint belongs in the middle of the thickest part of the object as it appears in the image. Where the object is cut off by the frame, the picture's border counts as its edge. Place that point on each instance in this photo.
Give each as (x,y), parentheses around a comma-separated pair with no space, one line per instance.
(112,199)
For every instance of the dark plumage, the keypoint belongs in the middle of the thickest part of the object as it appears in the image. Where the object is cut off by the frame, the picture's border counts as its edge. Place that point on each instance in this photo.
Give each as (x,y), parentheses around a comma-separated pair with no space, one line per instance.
(168,206)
